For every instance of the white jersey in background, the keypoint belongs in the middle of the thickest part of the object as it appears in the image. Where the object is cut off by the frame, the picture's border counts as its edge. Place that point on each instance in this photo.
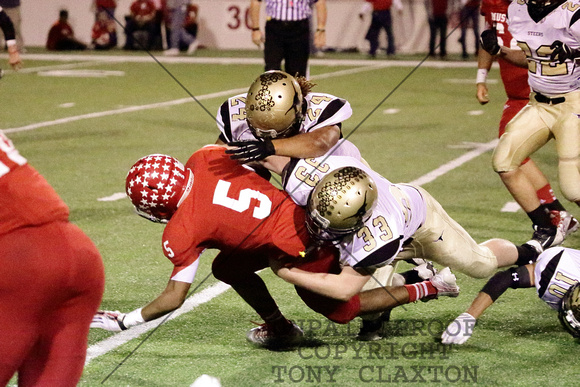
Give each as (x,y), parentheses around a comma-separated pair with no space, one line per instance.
(556,270)
(399,211)
(547,77)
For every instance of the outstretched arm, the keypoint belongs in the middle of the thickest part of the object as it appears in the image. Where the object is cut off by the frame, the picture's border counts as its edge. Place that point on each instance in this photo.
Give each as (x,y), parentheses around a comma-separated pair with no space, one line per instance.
(461,329)
(169,300)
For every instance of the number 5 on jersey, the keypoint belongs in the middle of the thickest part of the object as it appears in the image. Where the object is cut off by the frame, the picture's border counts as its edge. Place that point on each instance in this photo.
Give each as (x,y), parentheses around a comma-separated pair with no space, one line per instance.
(244,201)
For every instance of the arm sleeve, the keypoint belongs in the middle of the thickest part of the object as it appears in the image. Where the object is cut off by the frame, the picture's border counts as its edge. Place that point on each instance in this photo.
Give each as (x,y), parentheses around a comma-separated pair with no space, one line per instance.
(515,278)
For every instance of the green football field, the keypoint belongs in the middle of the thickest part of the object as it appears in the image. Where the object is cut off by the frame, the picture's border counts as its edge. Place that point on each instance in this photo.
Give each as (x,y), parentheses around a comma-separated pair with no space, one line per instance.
(83,120)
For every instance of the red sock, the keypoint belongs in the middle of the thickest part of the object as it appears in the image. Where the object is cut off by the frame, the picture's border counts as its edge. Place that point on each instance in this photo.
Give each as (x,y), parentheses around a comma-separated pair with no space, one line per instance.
(546,194)
(420,290)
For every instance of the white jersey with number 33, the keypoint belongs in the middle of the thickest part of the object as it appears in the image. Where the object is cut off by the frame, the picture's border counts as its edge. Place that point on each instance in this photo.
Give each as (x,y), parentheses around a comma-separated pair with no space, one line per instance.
(399,211)
(547,77)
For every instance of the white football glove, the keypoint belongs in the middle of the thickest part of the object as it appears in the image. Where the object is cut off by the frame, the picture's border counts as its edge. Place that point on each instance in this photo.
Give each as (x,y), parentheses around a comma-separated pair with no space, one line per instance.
(459,330)
(109,320)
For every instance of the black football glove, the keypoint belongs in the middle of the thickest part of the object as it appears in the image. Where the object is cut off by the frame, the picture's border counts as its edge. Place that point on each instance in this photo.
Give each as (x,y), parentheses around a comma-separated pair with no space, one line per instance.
(561,52)
(248,151)
(489,41)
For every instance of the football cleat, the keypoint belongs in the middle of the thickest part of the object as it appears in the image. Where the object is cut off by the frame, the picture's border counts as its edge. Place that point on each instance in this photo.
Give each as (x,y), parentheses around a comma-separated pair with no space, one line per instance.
(372,330)
(548,236)
(445,283)
(426,270)
(565,221)
(264,336)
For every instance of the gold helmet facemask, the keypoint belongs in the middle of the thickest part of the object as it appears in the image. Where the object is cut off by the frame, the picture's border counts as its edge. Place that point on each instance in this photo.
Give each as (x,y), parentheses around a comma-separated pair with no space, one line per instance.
(274,105)
(340,203)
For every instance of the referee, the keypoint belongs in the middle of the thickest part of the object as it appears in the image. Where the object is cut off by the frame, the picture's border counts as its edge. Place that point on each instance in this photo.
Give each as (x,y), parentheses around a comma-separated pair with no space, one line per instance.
(288,32)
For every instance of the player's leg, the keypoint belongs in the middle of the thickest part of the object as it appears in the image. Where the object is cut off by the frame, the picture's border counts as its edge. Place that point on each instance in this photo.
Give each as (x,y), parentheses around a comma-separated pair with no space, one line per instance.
(527,132)
(567,134)
(74,293)
(273,49)
(441,239)
(20,300)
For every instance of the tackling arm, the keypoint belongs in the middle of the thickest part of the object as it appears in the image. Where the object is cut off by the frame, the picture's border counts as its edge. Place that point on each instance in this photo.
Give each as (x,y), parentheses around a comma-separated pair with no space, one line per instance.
(341,286)
(311,144)
(461,329)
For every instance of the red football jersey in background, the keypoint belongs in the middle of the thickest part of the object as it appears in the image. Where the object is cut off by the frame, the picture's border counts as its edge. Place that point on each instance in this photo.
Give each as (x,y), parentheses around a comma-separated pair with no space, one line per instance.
(515,79)
(27,199)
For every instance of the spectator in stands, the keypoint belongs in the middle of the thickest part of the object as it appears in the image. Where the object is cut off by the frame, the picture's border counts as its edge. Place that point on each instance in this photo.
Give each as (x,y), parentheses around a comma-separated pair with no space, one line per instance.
(104,34)
(382,19)
(61,35)
(437,14)
(184,36)
(12,9)
(108,6)
(469,15)
(141,19)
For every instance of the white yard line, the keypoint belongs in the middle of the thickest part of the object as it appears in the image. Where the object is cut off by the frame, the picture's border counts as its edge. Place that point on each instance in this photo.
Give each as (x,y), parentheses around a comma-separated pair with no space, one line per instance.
(111,343)
(131,109)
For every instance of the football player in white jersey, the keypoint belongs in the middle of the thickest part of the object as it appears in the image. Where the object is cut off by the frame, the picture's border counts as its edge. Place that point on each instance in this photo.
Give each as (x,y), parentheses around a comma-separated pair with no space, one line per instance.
(373,222)
(548,33)
(281,115)
(555,275)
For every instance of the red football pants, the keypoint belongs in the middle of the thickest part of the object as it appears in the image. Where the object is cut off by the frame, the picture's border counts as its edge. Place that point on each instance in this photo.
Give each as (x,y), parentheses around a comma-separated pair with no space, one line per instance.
(51,285)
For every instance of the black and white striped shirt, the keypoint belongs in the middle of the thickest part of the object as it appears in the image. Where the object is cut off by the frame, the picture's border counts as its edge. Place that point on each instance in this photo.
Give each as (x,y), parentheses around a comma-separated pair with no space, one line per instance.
(289,10)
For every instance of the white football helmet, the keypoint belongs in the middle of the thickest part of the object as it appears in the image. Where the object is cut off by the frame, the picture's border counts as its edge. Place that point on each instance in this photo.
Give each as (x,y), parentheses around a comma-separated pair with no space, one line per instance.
(570,310)
(156,185)
(340,203)
(274,105)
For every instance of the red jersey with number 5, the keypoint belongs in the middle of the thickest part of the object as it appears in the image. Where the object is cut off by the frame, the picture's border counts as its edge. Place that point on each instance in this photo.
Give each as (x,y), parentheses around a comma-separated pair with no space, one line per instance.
(232,209)
(26,198)
(514,78)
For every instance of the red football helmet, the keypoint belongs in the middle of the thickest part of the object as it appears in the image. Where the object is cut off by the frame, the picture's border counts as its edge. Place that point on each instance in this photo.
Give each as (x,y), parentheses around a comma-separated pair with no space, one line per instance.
(157,184)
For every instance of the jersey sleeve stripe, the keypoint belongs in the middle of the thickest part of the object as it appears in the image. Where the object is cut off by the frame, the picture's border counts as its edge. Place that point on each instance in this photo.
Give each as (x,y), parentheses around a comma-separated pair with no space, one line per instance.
(225,117)
(548,273)
(330,110)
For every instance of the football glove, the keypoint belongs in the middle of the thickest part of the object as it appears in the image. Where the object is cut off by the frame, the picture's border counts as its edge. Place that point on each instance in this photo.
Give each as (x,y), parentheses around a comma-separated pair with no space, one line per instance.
(561,52)
(248,151)
(109,320)
(489,41)
(460,329)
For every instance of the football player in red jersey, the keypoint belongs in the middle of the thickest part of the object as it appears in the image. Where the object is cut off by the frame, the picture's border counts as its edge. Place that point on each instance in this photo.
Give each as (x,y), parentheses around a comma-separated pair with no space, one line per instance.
(214,202)
(8,30)
(51,283)
(515,81)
